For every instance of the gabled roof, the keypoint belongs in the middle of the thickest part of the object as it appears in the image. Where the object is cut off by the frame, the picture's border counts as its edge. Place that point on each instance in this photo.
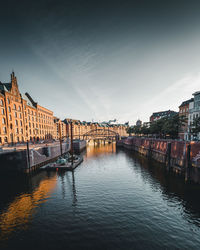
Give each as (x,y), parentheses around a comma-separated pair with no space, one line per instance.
(186,102)
(29,102)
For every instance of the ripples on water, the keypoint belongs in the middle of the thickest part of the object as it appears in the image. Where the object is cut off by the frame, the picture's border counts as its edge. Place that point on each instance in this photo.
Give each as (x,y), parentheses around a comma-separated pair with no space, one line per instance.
(113,200)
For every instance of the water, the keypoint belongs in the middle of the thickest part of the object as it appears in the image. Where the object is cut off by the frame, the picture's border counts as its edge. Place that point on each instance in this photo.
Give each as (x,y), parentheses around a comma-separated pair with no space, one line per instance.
(114,200)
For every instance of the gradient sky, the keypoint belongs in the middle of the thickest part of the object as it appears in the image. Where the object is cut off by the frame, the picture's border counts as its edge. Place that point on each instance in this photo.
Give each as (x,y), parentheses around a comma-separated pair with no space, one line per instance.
(102,60)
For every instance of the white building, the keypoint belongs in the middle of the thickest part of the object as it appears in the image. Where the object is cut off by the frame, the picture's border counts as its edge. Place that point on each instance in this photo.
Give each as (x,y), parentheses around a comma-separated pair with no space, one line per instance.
(194,112)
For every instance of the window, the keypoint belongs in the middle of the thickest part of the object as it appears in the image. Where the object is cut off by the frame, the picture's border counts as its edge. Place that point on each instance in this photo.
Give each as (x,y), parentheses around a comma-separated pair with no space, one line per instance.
(10,118)
(16,114)
(22,130)
(20,123)
(3,121)
(20,115)
(4,130)
(1,102)
(6,139)
(17,130)
(2,111)
(9,109)
(14,106)
(16,122)
(19,108)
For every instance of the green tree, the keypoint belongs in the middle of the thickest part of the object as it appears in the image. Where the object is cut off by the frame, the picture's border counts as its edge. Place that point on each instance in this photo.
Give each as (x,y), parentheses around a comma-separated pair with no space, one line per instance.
(168,126)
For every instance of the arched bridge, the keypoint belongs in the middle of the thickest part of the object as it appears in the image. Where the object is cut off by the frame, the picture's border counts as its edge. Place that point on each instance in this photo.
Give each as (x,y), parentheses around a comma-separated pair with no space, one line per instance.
(101,134)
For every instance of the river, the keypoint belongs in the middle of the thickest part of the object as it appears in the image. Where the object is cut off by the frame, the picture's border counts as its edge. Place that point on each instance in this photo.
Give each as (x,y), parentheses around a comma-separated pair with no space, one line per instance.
(114,200)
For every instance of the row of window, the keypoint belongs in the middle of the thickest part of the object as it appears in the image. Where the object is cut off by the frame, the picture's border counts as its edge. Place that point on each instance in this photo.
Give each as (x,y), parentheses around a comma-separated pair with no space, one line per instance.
(194,116)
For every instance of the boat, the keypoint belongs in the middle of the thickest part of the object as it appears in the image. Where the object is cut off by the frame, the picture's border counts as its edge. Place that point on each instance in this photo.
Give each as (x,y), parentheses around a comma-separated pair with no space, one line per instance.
(64,164)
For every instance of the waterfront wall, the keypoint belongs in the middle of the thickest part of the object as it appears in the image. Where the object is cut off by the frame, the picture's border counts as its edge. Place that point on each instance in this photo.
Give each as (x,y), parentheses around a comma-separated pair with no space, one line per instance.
(178,155)
(23,162)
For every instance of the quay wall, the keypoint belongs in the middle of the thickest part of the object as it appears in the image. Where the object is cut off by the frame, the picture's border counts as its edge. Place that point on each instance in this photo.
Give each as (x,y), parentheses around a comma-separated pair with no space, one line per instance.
(21,161)
(177,155)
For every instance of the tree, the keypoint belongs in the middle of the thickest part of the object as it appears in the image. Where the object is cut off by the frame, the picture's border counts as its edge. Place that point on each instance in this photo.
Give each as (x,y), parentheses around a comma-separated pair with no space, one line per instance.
(168,126)
(145,130)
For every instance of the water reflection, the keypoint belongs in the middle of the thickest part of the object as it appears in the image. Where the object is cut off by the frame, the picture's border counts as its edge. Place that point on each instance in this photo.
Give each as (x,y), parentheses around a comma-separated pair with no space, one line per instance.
(173,186)
(100,150)
(114,196)
(19,212)
(70,182)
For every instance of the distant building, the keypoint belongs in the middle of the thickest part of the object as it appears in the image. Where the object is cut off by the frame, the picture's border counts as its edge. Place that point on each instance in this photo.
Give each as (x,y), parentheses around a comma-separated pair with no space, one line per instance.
(139,123)
(60,129)
(184,112)
(194,112)
(158,115)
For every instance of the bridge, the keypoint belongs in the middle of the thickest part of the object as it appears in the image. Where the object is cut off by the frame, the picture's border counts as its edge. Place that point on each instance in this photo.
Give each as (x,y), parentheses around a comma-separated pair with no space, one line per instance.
(98,135)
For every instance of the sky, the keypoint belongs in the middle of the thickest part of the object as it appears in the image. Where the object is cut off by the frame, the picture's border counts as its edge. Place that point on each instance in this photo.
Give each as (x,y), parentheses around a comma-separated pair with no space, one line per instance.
(101,60)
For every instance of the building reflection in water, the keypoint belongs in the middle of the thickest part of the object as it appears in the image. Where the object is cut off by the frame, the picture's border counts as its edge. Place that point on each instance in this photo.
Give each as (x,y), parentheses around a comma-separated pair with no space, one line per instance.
(173,186)
(98,150)
(20,211)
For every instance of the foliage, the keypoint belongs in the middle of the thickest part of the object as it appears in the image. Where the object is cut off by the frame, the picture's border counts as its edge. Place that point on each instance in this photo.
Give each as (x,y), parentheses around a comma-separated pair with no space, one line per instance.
(162,128)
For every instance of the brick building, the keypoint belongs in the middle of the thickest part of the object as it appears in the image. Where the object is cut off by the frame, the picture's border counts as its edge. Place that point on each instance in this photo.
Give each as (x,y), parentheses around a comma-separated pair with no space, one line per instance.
(158,115)
(21,118)
(60,129)
(81,128)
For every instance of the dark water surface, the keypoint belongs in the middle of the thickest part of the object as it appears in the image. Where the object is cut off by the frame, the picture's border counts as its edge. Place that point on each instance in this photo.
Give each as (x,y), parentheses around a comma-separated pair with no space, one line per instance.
(113,200)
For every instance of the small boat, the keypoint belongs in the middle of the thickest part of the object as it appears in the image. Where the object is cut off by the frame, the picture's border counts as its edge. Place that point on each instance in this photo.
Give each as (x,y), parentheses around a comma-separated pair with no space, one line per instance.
(61,161)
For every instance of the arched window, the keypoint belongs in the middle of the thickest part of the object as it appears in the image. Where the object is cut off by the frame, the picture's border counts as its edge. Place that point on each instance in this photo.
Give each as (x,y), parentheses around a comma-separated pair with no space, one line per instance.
(8,100)
(14,106)
(1,102)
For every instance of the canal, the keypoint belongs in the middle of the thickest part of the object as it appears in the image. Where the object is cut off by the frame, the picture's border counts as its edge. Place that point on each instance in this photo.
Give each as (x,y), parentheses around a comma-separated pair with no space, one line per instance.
(114,200)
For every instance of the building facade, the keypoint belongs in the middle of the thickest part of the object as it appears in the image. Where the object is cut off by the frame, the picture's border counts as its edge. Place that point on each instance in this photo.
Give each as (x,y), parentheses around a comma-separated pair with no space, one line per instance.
(158,115)
(184,112)
(60,129)
(81,128)
(21,118)
(194,112)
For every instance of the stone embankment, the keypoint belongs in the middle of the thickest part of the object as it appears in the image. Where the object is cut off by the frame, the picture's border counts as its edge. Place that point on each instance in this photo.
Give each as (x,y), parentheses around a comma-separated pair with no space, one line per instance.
(26,161)
(179,156)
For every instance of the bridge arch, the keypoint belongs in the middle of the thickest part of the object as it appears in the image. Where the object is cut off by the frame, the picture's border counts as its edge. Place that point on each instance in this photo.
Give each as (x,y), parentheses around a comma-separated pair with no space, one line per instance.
(101,134)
